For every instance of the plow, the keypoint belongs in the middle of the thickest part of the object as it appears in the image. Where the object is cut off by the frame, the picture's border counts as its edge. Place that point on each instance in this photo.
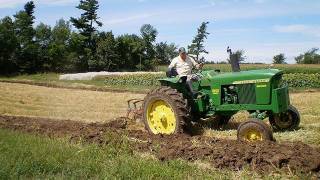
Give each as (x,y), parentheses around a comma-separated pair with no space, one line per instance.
(134,111)
(171,108)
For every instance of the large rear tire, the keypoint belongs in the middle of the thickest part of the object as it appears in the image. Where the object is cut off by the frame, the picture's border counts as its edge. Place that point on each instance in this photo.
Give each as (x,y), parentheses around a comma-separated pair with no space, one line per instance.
(165,111)
(286,121)
(254,130)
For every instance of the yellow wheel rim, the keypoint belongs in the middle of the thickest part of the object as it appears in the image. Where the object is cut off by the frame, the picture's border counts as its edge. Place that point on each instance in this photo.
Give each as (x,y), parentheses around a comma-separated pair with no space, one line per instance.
(161,118)
(253,135)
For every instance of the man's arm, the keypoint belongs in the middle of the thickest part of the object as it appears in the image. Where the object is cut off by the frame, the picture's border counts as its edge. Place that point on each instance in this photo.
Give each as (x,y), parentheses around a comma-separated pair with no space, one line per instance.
(195,64)
(172,64)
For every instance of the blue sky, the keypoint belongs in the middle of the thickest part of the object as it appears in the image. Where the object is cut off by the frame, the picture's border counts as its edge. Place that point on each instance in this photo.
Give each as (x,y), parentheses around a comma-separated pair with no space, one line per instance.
(263,28)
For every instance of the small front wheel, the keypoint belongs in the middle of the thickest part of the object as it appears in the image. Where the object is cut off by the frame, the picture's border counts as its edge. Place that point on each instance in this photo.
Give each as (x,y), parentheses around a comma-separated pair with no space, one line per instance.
(286,121)
(254,130)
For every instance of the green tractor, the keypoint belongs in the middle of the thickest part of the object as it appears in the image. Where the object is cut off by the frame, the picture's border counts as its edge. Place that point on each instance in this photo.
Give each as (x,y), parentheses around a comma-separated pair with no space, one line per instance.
(171,108)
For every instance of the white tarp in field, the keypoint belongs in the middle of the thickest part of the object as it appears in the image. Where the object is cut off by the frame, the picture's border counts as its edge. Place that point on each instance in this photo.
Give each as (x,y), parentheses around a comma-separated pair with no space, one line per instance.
(91,75)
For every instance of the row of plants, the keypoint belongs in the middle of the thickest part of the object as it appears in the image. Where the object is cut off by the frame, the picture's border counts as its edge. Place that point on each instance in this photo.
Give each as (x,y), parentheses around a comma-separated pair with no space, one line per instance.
(296,80)
(132,79)
(287,68)
(302,80)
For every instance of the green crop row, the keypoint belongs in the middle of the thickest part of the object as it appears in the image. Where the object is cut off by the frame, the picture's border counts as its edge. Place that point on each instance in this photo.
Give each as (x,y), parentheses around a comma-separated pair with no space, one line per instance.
(297,80)
(287,68)
(133,80)
(301,80)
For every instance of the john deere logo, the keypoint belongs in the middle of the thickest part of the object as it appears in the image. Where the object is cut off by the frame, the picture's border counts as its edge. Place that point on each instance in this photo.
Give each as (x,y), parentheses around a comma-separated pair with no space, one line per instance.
(261,85)
(215,91)
(251,81)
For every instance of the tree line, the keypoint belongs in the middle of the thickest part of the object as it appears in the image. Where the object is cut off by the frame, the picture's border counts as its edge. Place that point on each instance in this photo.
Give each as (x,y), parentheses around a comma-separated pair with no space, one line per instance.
(28,49)
(310,57)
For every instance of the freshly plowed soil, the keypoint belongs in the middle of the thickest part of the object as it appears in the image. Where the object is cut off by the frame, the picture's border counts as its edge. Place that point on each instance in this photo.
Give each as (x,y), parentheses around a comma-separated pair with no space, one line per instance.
(219,153)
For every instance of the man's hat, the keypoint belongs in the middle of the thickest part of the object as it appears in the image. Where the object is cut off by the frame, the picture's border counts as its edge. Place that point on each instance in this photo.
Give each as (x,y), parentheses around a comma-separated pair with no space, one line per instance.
(182,50)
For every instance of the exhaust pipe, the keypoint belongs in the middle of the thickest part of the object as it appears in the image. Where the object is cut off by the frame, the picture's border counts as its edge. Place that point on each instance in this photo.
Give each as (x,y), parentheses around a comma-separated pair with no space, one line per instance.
(234,61)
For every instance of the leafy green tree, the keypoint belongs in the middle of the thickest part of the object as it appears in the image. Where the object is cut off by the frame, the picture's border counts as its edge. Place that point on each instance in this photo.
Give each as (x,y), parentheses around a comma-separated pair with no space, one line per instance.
(8,46)
(59,47)
(149,35)
(197,47)
(27,54)
(43,39)
(166,52)
(240,55)
(309,57)
(107,56)
(279,59)
(78,52)
(87,25)
(131,51)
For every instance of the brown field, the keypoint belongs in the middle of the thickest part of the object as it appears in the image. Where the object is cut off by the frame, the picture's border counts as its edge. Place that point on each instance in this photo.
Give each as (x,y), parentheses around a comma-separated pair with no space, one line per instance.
(91,106)
(88,106)
(26,108)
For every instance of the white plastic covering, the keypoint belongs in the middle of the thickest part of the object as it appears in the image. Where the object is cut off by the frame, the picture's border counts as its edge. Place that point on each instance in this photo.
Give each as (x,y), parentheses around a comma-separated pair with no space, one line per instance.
(91,75)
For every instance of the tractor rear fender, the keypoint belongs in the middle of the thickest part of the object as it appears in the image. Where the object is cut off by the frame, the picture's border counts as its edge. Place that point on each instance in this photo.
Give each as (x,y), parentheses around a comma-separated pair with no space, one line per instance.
(175,84)
(280,99)
(169,81)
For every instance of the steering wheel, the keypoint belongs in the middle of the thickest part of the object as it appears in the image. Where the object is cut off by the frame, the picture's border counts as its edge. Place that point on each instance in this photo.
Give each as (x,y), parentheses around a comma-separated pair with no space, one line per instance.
(200,68)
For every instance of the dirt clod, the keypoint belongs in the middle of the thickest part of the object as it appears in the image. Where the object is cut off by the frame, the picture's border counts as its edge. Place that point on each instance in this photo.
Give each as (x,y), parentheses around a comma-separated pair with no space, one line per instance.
(220,153)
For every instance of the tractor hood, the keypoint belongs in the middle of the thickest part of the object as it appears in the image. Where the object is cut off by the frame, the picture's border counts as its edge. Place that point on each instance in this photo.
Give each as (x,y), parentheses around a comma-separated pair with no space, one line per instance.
(243,77)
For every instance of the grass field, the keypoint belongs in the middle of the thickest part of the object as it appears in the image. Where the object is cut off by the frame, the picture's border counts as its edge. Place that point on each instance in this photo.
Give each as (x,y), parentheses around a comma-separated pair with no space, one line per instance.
(25,156)
(52,79)
(299,78)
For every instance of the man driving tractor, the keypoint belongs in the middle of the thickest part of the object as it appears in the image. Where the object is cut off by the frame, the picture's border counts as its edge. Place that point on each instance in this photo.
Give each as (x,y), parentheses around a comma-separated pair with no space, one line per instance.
(182,66)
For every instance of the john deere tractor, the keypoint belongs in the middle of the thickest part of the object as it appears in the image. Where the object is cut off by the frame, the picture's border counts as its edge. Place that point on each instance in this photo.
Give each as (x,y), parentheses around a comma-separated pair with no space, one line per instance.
(171,108)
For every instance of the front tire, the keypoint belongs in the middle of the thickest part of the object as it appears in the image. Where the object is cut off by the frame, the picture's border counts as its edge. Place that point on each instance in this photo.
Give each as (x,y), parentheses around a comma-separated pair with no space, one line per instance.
(254,130)
(286,121)
(165,111)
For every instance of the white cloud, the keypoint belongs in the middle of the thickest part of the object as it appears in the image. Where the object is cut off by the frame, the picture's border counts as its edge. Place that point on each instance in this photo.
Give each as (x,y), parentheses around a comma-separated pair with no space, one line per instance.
(14,3)
(298,28)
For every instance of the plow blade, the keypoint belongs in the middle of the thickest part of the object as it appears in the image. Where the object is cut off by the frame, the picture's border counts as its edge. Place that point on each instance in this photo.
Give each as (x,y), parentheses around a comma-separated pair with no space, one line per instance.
(135,110)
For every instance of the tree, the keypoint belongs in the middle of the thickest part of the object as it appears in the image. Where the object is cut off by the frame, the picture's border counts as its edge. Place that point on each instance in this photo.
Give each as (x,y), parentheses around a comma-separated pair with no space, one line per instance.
(8,46)
(107,55)
(131,50)
(60,47)
(27,55)
(86,24)
(165,53)
(197,47)
(309,57)
(279,59)
(43,39)
(149,35)
(239,54)
(78,53)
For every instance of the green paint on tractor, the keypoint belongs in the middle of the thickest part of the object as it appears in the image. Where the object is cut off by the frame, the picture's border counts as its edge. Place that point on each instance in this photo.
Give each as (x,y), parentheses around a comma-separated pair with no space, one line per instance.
(171,108)
(228,93)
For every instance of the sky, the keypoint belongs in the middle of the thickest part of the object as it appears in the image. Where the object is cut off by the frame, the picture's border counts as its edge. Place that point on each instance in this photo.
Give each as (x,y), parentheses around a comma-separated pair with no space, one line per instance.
(262,28)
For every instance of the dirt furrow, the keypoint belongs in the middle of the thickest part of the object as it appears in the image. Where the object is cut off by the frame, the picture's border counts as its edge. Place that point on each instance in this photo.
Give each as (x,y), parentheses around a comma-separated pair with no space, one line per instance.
(220,153)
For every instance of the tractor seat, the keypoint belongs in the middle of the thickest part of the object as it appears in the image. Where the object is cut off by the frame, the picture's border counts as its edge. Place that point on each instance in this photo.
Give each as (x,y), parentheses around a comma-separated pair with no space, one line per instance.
(172,73)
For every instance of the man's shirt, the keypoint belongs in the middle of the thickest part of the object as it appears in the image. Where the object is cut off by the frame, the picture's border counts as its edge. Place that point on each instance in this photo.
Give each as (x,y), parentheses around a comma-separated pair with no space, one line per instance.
(183,68)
